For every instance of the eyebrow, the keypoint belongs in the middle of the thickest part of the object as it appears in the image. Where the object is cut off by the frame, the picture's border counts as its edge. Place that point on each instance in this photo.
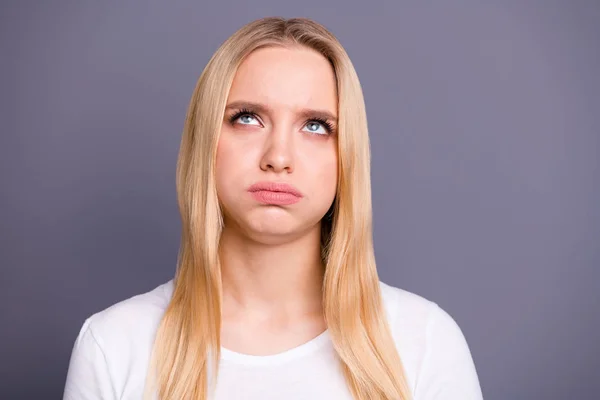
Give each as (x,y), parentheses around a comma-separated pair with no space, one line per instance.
(261,108)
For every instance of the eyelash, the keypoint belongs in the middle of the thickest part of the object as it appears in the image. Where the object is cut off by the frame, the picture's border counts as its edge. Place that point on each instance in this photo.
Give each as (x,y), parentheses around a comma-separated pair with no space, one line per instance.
(326,124)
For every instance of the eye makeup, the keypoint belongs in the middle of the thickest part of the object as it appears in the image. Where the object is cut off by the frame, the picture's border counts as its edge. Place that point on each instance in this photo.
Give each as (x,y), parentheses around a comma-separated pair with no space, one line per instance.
(329,126)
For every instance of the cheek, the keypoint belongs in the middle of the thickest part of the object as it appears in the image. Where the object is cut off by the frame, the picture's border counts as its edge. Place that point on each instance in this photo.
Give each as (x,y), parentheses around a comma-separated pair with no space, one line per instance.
(234,153)
(225,168)
(326,175)
(232,164)
(330,179)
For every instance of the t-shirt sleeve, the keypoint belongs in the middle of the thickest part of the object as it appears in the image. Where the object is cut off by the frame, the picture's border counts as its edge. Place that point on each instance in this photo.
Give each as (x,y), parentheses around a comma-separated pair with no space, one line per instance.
(88,375)
(448,371)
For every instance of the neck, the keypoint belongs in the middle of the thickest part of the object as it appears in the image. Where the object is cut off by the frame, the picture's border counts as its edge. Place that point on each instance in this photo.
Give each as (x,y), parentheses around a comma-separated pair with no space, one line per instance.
(271,280)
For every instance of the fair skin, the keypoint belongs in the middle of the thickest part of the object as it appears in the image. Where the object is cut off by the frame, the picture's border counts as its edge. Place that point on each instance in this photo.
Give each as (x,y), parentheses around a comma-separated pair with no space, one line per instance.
(270,254)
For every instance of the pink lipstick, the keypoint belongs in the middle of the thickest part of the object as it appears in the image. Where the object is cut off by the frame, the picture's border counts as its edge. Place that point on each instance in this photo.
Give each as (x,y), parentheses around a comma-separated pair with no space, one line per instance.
(275,193)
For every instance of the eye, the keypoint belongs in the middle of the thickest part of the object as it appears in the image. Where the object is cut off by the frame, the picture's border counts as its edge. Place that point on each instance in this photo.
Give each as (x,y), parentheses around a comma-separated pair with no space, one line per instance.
(246,119)
(316,127)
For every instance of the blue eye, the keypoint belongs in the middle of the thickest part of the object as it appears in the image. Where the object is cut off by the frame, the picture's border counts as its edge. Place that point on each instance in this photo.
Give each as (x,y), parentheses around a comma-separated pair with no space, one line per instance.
(246,119)
(316,127)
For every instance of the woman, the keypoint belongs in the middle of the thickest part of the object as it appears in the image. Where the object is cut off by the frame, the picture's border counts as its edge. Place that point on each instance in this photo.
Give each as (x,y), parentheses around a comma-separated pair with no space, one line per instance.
(276,294)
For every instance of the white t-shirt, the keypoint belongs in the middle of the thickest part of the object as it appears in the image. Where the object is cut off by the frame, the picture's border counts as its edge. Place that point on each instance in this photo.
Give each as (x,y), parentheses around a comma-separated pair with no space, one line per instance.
(112,352)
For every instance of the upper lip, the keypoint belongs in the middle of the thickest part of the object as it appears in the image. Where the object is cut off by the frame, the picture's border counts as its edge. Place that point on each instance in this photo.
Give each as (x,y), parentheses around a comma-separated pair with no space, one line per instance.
(275,187)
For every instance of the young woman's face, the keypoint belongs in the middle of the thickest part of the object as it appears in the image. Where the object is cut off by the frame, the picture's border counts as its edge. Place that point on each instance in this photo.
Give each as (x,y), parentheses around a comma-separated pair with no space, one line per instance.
(279,127)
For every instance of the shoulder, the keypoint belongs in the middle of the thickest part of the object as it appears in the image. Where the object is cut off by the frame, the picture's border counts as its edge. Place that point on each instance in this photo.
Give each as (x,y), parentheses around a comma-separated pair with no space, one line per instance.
(134,316)
(403,306)
(415,319)
(408,311)
(112,350)
(128,328)
(431,344)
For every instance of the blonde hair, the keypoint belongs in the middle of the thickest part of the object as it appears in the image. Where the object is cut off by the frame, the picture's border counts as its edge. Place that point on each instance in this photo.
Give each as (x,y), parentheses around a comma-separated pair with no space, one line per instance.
(186,351)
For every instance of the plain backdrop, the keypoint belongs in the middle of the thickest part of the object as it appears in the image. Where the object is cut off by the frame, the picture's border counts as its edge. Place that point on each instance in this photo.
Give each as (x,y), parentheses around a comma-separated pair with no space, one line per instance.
(484,123)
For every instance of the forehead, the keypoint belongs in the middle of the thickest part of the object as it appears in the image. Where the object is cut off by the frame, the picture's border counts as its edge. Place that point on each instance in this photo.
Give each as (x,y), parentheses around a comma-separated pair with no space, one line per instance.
(286,78)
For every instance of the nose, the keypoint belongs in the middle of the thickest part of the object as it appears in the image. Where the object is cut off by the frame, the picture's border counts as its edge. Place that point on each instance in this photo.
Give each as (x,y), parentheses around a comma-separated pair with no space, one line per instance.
(278,154)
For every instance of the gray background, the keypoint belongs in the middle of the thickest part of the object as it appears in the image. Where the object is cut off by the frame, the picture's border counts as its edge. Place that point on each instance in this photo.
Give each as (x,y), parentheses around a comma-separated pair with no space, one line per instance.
(484,121)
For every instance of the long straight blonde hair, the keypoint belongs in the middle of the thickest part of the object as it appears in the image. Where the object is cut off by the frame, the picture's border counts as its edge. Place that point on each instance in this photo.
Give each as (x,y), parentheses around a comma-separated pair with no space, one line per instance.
(186,351)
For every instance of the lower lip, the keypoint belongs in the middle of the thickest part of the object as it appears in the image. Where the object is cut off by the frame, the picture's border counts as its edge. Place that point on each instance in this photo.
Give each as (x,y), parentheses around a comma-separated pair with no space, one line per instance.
(275,198)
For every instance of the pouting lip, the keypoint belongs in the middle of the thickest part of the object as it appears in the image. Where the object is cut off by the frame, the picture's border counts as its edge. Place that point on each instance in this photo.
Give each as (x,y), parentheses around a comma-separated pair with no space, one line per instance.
(275,187)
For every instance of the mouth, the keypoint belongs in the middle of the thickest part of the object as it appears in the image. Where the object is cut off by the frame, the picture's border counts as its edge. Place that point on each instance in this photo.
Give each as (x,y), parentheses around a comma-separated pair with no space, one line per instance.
(274,193)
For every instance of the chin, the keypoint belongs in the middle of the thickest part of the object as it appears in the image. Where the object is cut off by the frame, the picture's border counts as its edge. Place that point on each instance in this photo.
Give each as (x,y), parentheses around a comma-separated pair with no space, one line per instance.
(273,236)
(271,229)
(271,226)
